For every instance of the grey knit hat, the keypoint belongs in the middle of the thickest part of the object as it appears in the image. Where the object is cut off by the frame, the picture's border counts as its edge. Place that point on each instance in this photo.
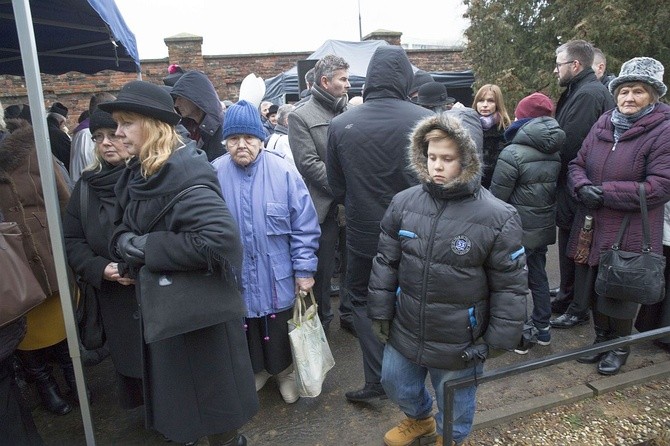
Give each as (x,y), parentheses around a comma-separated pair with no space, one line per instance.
(641,69)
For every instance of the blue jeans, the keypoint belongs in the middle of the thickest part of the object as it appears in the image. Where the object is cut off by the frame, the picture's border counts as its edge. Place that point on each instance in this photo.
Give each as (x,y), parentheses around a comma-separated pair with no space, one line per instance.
(536,261)
(405,384)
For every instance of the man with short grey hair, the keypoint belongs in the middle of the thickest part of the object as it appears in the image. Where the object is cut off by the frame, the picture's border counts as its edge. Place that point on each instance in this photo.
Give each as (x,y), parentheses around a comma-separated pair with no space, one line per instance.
(308,134)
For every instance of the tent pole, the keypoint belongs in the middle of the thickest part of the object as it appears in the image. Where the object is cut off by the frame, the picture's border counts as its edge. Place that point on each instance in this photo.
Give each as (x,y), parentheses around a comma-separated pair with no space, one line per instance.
(24,26)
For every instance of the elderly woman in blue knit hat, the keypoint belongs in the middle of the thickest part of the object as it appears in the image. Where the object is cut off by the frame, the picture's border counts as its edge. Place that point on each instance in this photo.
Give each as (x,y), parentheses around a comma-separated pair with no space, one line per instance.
(627,146)
(280,233)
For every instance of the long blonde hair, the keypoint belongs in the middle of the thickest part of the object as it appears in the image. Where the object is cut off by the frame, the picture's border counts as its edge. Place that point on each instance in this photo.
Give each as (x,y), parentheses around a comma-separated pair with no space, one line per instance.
(505,121)
(161,141)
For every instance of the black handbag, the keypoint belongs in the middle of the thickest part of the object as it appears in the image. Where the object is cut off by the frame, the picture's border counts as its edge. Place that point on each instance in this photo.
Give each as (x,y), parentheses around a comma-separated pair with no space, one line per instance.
(177,302)
(631,276)
(88,316)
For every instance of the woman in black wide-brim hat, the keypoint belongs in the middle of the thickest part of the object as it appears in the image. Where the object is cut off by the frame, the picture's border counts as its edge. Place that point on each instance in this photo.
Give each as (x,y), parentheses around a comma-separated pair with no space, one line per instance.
(199,383)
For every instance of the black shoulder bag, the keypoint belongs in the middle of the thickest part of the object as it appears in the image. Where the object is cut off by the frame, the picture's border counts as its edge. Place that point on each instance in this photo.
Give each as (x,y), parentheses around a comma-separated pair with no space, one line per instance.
(177,302)
(89,319)
(631,276)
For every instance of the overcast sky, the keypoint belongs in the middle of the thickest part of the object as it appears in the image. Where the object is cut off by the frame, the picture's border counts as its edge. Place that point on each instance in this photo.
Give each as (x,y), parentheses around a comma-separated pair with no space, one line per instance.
(236,27)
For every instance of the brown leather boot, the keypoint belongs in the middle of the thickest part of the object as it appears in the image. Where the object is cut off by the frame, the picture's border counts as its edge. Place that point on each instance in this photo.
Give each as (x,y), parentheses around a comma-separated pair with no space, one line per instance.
(409,430)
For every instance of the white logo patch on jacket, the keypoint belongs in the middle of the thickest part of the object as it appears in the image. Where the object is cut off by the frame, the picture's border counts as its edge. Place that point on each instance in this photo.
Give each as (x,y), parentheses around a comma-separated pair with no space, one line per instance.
(460,245)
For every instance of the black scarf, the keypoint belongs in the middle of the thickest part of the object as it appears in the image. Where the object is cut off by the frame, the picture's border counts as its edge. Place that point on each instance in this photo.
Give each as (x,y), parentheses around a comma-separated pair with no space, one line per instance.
(101,184)
(329,101)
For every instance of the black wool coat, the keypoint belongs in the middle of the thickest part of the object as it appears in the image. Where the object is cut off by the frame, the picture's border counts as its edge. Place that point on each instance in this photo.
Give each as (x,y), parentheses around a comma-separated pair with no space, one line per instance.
(86,244)
(201,382)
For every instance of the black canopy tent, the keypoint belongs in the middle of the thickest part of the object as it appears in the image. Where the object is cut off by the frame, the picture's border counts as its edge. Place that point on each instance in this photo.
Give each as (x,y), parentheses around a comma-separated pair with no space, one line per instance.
(56,36)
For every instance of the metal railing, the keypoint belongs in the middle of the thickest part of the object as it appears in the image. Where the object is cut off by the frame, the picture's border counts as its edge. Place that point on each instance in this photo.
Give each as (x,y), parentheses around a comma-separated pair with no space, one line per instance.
(523,367)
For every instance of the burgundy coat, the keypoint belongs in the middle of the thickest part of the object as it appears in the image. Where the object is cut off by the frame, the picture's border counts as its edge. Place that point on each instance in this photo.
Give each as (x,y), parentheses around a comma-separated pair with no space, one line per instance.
(641,155)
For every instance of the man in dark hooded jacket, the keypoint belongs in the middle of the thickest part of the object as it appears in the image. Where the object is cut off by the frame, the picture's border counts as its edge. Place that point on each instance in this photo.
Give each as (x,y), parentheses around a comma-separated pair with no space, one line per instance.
(366,167)
(195,98)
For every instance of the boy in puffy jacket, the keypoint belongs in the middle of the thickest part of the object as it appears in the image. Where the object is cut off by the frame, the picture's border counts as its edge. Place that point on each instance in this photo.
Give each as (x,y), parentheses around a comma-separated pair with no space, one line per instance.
(449,275)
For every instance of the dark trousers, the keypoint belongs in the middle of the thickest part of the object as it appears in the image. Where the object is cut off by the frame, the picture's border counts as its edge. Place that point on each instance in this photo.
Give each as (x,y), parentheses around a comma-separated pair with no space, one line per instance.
(566,267)
(326,265)
(612,327)
(345,301)
(584,294)
(536,261)
(358,276)
(17,426)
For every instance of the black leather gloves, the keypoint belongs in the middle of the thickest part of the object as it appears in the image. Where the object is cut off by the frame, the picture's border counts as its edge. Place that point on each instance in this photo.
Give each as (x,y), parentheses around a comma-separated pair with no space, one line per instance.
(381,329)
(130,247)
(591,196)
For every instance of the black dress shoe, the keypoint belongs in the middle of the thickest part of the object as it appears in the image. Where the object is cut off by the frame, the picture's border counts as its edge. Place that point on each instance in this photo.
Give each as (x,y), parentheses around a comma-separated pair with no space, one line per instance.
(591,358)
(613,360)
(367,393)
(237,440)
(568,321)
(348,326)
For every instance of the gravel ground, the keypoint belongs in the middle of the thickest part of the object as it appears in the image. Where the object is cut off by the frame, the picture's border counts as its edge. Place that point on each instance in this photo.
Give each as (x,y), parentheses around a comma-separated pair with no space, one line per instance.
(638,415)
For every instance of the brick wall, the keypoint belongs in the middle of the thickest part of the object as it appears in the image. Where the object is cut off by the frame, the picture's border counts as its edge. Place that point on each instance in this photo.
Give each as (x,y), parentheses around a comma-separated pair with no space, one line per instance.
(225,71)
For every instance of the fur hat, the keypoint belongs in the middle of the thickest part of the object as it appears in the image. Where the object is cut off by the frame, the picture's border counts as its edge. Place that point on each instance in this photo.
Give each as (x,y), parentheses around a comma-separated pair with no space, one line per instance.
(145,99)
(101,120)
(641,69)
(242,118)
(433,94)
(534,106)
(58,108)
(18,111)
(420,77)
(272,110)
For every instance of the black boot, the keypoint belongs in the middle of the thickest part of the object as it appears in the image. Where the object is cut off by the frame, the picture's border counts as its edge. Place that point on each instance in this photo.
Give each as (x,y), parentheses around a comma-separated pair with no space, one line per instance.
(227,439)
(613,360)
(592,358)
(62,355)
(37,369)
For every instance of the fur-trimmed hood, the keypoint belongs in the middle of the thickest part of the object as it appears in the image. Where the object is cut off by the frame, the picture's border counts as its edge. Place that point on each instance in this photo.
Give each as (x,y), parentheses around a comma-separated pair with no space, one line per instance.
(470,178)
(15,148)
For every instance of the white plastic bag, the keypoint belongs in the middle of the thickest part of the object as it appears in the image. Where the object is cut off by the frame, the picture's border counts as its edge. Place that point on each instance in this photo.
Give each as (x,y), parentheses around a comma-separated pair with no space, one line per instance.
(312,357)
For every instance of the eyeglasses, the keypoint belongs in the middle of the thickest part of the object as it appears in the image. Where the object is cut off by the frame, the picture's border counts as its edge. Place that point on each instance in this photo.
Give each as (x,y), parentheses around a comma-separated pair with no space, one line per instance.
(235,140)
(98,138)
(559,64)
